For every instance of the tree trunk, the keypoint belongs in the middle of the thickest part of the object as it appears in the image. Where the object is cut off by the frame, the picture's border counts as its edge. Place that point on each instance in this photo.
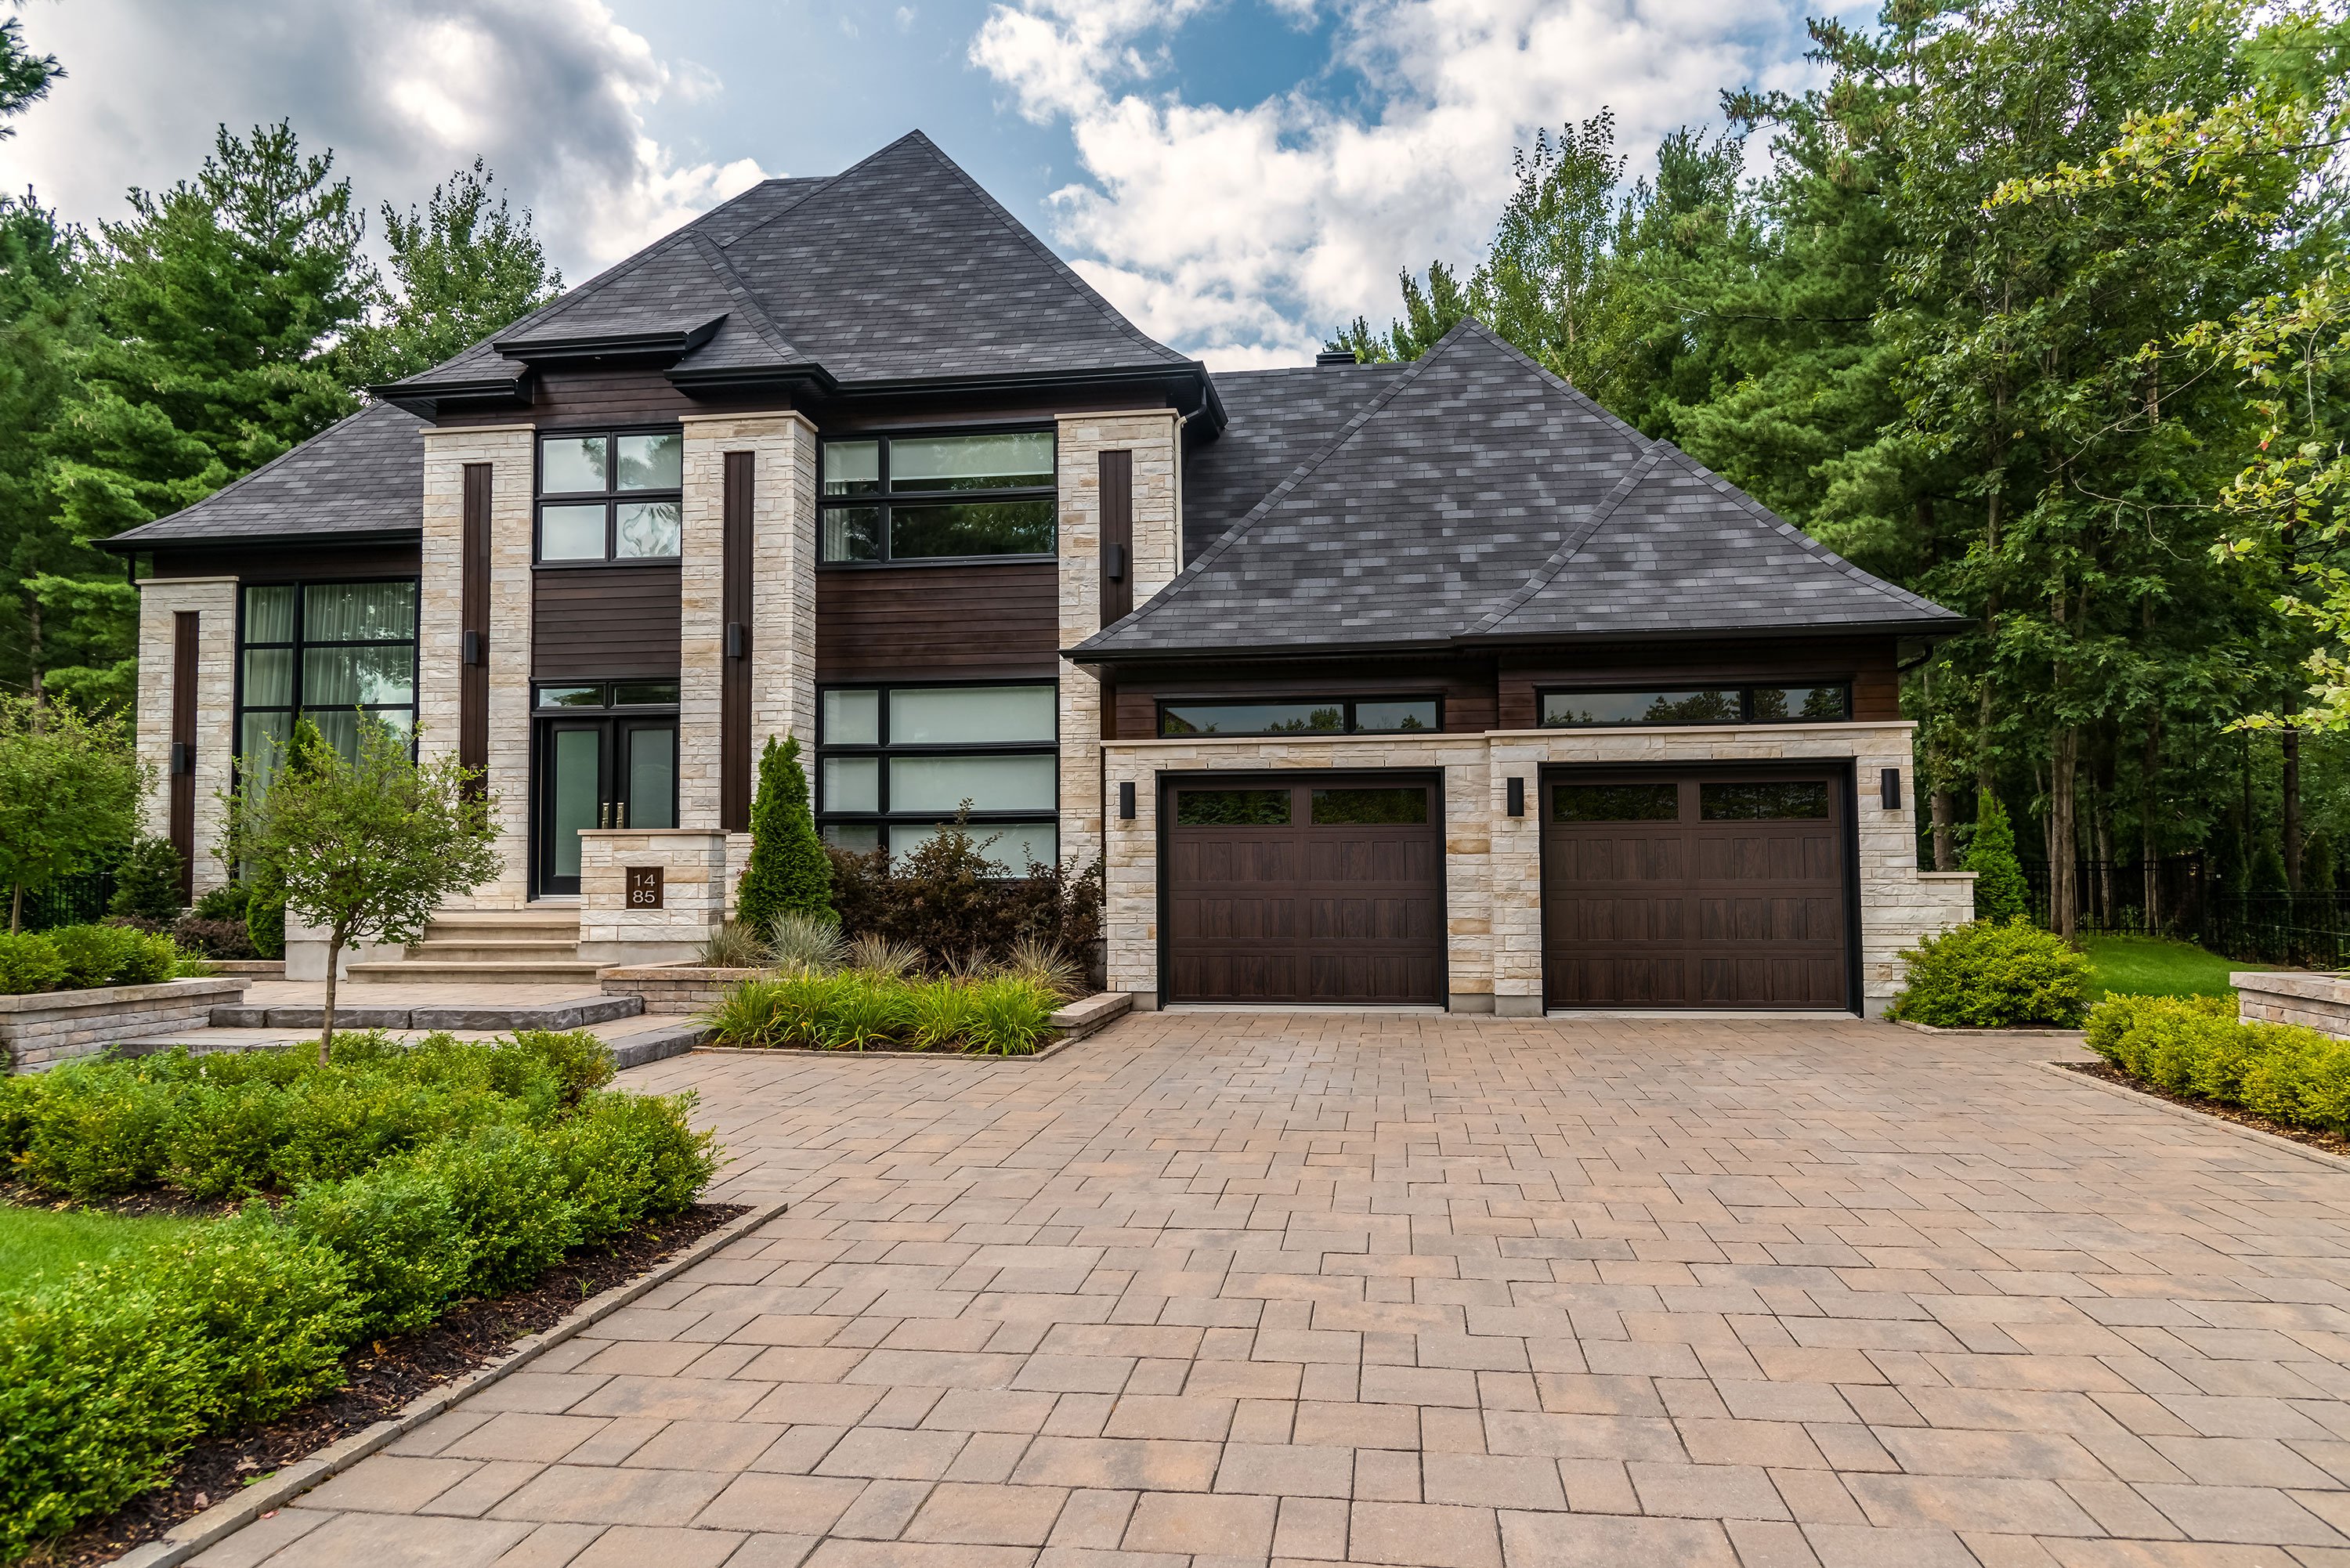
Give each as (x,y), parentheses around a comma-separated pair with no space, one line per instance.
(1945,857)
(2063,891)
(2290,739)
(2148,771)
(327,1018)
(16,910)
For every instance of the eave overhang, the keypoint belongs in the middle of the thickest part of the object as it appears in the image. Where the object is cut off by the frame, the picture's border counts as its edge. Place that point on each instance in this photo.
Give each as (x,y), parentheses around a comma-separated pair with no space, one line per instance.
(1929,632)
(669,344)
(124,544)
(427,401)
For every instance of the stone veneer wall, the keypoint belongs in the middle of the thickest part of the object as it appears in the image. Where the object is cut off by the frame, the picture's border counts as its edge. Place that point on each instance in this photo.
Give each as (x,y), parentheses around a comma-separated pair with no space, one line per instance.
(440,646)
(1494,860)
(694,886)
(53,1026)
(215,601)
(2319,1002)
(1154,437)
(782,587)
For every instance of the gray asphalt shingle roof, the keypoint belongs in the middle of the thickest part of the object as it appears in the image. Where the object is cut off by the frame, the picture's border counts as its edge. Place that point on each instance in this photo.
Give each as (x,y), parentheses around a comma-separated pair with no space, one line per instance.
(361,475)
(1477,498)
(1277,419)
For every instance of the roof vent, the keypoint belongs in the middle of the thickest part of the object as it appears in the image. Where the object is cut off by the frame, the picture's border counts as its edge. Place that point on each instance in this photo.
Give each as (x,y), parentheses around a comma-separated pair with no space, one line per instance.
(1335,357)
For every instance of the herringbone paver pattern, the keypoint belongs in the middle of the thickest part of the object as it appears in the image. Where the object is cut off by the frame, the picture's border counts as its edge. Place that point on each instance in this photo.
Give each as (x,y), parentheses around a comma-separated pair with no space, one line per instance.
(1432,1291)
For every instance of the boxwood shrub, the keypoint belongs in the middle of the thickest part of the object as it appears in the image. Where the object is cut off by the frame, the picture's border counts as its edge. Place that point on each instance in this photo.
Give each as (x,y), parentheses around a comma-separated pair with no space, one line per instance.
(408,1178)
(1987,975)
(2194,1046)
(77,958)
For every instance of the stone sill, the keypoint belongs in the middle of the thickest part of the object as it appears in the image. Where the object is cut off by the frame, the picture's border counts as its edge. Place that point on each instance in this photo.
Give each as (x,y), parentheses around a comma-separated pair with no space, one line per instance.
(98,998)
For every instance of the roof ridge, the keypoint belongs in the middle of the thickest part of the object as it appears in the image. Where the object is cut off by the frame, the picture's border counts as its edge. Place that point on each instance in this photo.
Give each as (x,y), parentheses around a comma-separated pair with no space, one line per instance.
(1228,539)
(754,315)
(1571,543)
(1547,374)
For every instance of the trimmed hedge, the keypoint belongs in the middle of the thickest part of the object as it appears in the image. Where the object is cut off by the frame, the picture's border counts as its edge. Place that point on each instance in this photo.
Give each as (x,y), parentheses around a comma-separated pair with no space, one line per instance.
(412,1177)
(1987,975)
(2194,1046)
(854,1010)
(78,957)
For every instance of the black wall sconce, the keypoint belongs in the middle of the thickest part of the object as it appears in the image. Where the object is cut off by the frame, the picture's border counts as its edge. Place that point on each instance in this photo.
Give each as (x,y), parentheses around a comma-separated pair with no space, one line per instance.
(1888,789)
(183,757)
(738,640)
(476,647)
(1517,797)
(1126,800)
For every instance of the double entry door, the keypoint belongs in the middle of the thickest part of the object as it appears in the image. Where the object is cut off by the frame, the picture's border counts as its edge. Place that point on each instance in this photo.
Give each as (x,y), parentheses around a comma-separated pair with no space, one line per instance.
(599,773)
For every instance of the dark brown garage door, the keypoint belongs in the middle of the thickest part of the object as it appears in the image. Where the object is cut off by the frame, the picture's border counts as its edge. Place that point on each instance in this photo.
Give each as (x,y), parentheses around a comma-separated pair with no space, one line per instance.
(1322,889)
(1696,892)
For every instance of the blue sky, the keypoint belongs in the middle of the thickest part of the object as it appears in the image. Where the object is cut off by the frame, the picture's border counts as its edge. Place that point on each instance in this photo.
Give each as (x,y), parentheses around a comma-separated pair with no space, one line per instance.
(1239,176)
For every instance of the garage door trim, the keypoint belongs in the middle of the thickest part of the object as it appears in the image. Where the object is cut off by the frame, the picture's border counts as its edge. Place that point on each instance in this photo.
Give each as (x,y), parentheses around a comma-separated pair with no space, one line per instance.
(1840,773)
(1167,782)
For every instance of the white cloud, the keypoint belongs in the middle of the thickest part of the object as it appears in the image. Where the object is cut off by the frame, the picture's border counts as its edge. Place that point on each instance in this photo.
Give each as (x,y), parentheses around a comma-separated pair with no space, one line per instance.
(553,93)
(1245,233)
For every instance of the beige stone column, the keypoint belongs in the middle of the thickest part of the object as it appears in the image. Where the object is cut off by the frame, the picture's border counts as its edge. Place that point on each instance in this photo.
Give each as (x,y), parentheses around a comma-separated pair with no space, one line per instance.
(440,649)
(213,600)
(1154,436)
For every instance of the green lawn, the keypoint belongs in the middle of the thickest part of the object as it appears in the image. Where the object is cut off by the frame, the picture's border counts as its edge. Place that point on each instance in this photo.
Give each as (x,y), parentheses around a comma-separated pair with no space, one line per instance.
(52,1243)
(2154,966)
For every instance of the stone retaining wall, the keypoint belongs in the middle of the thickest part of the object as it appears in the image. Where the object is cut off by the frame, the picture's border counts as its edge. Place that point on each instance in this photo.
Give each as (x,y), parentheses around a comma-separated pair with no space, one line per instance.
(673,989)
(53,1026)
(2322,1002)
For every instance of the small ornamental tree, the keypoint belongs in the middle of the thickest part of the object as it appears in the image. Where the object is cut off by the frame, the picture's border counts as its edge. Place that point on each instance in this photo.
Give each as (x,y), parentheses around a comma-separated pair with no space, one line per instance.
(69,789)
(2268,872)
(367,850)
(789,872)
(147,881)
(1999,893)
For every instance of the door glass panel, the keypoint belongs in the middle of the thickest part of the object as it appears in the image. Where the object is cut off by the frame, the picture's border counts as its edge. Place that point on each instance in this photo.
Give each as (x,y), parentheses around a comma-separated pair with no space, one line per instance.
(577,756)
(643,694)
(652,778)
(571,696)
(651,462)
(852,783)
(1616,802)
(1369,806)
(571,533)
(1807,800)
(963,715)
(567,465)
(989,784)
(1232,808)
(852,718)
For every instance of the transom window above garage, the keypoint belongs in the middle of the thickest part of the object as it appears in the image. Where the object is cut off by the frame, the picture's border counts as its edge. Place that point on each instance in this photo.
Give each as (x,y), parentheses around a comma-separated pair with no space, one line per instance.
(1302,716)
(1815,704)
(895,763)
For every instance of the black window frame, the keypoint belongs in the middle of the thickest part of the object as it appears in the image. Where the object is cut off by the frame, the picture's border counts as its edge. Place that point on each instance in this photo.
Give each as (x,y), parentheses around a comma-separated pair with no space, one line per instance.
(884,749)
(1745,689)
(610,705)
(1347,705)
(883,498)
(611,495)
(294,707)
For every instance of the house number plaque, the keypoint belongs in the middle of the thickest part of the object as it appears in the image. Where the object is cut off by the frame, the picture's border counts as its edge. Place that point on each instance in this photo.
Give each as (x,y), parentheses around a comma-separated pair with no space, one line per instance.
(644,887)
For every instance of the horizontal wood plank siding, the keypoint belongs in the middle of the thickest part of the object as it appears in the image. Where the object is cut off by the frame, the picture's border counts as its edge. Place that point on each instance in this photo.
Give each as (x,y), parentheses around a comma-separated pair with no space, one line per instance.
(288,560)
(607,622)
(960,620)
(629,397)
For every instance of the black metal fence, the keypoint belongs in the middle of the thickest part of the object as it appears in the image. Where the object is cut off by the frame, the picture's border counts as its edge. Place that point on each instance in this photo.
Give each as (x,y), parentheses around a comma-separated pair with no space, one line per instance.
(2170,896)
(73,901)
(2310,930)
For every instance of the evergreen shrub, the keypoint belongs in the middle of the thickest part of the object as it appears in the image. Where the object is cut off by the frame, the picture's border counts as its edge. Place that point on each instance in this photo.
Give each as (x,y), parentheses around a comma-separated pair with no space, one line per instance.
(147,881)
(1987,975)
(2195,1046)
(2000,895)
(789,873)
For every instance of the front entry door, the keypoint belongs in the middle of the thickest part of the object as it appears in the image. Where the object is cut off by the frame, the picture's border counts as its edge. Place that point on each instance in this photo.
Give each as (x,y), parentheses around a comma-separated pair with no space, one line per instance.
(599,773)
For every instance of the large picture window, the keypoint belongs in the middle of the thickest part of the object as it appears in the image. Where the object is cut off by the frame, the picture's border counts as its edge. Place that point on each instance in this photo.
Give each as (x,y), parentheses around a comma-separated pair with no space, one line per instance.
(937,497)
(615,497)
(894,763)
(330,650)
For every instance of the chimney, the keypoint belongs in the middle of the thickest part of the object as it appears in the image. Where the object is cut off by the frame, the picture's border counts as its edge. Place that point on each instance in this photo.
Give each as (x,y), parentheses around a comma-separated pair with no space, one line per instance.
(1335,357)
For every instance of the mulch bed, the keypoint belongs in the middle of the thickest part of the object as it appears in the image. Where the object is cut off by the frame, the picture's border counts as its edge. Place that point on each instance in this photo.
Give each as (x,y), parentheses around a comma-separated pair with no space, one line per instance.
(381,1378)
(2332,1143)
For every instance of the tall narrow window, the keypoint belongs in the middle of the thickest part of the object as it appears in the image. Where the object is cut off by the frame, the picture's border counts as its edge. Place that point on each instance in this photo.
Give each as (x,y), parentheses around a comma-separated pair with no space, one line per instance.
(617,497)
(938,497)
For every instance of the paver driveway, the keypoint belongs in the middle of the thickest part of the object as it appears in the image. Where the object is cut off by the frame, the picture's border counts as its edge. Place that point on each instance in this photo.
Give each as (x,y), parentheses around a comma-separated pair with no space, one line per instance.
(1432,1291)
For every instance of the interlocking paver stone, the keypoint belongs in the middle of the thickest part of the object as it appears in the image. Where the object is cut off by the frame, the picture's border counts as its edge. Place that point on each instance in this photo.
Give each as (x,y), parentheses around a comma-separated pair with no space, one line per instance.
(1219,1288)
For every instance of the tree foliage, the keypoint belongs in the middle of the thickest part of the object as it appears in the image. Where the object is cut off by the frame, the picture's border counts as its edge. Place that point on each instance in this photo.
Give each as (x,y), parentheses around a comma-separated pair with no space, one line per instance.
(789,873)
(70,787)
(462,268)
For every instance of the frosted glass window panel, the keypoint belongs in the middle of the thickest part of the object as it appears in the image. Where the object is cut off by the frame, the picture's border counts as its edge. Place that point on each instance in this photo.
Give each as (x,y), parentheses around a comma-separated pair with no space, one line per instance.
(339,728)
(1015,846)
(269,678)
(258,738)
(852,783)
(852,718)
(569,465)
(269,614)
(351,677)
(359,612)
(651,462)
(652,778)
(989,784)
(571,533)
(971,462)
(578,757)
(650,528)
(965,715)
(852,467)
(856,838)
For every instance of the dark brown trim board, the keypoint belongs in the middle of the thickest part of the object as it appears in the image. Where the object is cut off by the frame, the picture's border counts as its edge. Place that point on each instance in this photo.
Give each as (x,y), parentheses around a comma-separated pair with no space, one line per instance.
(185,625)
(734,654)
(1116,493)
(473,620)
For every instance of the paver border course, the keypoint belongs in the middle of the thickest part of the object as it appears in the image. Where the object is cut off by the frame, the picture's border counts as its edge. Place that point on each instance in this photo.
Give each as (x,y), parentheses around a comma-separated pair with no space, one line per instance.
(2201,1118)
(225,1517)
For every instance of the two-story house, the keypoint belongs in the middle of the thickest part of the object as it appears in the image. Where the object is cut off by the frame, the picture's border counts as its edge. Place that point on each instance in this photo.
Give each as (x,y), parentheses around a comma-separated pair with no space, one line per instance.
(1392,684)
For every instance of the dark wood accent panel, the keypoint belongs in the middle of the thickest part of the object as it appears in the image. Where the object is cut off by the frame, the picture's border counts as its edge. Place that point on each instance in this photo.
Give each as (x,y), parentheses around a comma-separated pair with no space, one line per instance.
(1691,913)
(1867,663)
(1466,684)
(608,622)
(605,397)
(288,560)
(185,625)
(1116,480)
(962,620)
(1305,913)
(735,651)
(475,651)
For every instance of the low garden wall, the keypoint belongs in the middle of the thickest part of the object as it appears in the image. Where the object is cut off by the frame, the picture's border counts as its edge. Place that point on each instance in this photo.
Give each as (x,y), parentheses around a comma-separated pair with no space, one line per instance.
(49,1026)
(674,988)
(2321,1001)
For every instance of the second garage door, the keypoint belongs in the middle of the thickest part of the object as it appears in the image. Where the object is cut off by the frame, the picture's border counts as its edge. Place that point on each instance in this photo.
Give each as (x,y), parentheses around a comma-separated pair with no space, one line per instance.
(1317,889)
(1716,891)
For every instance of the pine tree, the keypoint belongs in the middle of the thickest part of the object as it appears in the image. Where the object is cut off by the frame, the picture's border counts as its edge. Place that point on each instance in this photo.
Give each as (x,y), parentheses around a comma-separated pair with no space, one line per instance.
(2268,880)
(460,269)
(2000,892)
(789,872)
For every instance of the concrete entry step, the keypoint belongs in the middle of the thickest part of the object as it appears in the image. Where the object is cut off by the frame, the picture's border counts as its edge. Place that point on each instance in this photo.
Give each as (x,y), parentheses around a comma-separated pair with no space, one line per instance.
(575,1013)
(549,971)
(535,946)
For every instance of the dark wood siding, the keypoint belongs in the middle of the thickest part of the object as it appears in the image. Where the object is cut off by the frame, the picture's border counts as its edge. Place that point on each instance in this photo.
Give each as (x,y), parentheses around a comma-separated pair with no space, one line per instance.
(1116,493)
(962,620)
(608,622)
(624,397)
(185,625)
(734,667)
(473,616)
(286,560)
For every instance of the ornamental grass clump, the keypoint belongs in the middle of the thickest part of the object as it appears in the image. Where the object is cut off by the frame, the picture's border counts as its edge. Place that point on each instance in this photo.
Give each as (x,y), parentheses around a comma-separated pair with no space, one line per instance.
(863,1009)
(1985,975)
